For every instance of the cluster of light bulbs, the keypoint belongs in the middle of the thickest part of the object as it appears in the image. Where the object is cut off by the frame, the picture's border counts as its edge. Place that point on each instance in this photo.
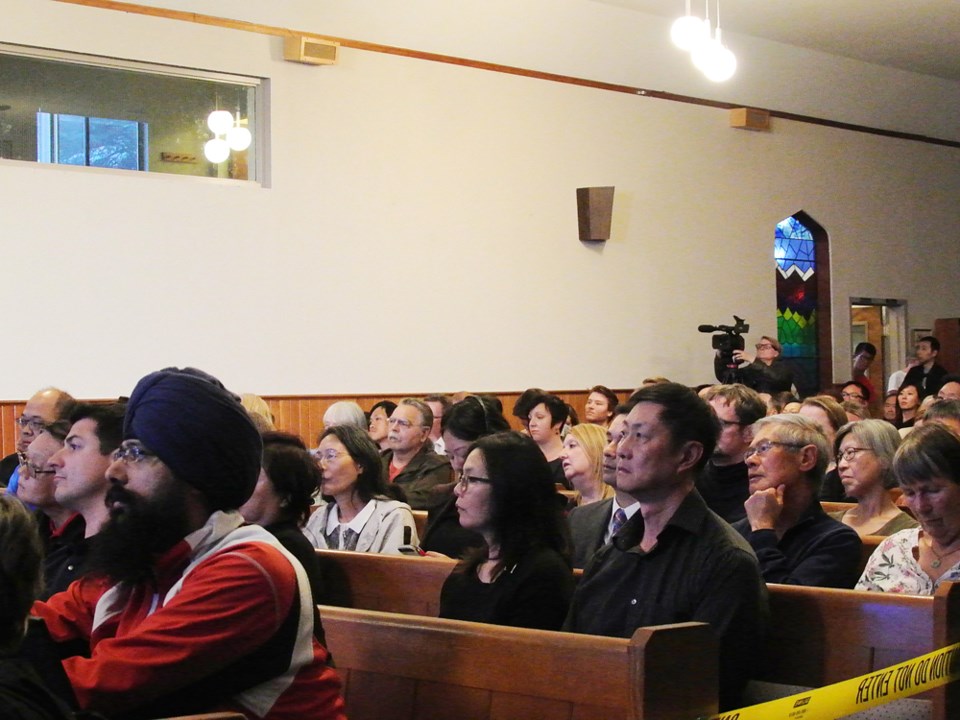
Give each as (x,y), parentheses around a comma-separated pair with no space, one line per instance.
(235,136)
(708,53)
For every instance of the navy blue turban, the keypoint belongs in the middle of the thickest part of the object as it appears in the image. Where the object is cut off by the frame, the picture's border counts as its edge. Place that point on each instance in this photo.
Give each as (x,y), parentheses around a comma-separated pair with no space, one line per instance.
(199,430)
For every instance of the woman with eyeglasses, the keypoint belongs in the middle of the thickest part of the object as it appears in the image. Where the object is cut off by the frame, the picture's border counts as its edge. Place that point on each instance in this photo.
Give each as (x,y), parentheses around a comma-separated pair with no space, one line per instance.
(864,452)
(463,423)
(917,560)
(359,514)
(521,575)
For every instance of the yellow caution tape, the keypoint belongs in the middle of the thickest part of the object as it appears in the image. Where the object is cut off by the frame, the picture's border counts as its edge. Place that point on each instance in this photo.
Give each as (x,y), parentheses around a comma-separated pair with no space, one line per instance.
(860,693)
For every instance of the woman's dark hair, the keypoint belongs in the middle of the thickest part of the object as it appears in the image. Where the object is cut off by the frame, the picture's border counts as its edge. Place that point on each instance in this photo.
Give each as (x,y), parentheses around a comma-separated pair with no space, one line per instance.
(472,418)
(365,453)
(557,408)
(525,513)
(929,451)
(388,407)
(293,473)
(525,403)
(21,578)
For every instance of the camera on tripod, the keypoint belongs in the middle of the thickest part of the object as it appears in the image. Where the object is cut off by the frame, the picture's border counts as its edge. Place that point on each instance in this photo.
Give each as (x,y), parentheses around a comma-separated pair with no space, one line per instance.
(729,339)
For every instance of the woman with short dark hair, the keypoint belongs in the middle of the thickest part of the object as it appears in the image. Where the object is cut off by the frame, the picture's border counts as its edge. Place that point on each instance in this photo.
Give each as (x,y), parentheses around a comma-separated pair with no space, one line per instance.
(359,514)
(463,423)
(521,576)
(282,499)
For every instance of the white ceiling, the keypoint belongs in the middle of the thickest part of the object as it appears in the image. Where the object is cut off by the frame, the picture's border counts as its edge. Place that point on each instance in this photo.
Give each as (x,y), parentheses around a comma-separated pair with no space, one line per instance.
(921,36)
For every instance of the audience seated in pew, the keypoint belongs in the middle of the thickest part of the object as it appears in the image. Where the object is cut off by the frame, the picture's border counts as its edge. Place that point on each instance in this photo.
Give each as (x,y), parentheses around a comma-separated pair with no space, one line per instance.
(592,525)
(410,462)
(600,405)
(864,452)
(582,463)
(186,608)
(22,692)
(282,499)
(545,420)
(945,412)
(674,560)
(828,415)
(61,528)
(379,426)
(358,514)
(463,423)
(723,482)
(521,575)
(917,560)
(795,541)
(80,484)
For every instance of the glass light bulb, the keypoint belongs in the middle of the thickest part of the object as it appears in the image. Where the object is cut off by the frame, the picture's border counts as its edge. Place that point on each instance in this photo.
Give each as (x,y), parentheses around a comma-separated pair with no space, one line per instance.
(688,31)
(722,66)
(239,138)
(216,150)
(219,121)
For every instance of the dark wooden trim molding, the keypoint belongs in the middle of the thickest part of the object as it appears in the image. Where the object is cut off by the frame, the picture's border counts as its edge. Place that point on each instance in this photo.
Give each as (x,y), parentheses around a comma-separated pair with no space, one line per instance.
(492,67)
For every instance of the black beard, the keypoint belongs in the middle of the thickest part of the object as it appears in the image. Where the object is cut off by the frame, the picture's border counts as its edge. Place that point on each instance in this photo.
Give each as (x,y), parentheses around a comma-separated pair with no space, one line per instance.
(137,533)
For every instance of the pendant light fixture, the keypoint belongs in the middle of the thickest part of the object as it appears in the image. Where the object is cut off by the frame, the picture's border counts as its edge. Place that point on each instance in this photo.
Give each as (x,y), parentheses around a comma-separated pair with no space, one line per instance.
(707,51)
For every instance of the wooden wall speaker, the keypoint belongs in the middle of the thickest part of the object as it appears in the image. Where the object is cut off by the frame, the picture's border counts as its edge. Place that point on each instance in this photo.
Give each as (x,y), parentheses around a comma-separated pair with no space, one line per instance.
(594,211)
(311,51)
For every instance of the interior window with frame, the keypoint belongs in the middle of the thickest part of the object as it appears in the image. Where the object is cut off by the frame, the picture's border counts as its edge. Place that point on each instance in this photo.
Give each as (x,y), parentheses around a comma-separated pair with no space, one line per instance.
(100,112)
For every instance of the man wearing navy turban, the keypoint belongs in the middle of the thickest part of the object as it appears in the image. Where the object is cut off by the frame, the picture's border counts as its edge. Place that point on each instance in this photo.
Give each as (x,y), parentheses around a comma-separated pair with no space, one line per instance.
(186,609)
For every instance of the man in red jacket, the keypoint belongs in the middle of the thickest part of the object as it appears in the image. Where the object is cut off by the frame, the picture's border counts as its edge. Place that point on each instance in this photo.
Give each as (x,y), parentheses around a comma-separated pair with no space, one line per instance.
(186,609)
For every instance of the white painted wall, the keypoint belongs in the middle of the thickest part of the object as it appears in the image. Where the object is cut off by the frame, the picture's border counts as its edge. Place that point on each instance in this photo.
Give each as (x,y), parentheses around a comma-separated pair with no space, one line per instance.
(419,231)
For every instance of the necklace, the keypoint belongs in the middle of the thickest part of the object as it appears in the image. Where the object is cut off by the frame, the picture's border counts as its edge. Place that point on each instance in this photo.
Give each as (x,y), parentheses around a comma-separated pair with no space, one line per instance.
(939,561)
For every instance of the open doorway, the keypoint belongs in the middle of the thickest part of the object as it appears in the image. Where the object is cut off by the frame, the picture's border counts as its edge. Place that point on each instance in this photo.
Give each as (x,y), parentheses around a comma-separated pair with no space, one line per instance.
(881,322)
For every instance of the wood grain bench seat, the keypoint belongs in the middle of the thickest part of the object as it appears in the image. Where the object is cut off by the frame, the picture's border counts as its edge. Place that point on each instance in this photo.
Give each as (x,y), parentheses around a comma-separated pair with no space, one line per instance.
(407,667)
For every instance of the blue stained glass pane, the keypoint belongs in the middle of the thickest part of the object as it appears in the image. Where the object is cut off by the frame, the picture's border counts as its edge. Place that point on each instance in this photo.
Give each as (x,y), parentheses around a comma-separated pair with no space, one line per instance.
(793,246)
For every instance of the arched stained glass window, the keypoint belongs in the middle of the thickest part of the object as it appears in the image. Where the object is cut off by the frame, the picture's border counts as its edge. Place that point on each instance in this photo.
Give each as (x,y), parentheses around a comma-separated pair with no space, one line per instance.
(796,268)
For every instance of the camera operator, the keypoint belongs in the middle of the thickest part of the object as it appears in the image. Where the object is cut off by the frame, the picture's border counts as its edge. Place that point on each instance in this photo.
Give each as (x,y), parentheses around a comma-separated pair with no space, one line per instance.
(766,372)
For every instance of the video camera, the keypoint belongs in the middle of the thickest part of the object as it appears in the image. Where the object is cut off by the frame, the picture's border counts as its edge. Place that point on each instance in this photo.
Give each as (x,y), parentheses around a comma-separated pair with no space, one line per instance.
(729,339)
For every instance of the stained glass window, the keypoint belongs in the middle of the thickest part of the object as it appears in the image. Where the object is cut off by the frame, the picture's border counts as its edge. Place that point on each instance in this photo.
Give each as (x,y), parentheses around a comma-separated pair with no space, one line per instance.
(795,260)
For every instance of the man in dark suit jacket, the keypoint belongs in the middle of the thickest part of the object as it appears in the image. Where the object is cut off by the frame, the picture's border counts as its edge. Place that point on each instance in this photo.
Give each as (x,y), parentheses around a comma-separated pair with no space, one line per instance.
(592,525)
(927,376)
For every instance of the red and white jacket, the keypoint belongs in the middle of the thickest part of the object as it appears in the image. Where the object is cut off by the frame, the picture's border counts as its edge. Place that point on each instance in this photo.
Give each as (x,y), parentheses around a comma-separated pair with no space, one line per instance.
(227,625)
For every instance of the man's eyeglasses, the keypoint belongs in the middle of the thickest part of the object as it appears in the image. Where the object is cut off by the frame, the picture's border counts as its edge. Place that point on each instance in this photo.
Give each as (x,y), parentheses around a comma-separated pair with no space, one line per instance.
(36,425)
(132,454)
(763,346)
(851,396)
(762,448)
(466,480)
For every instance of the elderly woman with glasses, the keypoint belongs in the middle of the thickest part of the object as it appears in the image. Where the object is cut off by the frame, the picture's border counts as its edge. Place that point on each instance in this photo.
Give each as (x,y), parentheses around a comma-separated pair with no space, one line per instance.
(864,452)
(917,560)
(359,514)
(521,575)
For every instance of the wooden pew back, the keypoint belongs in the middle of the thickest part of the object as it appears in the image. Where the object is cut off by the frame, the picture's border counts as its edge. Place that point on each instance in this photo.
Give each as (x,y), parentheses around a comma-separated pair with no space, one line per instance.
(392,583)
(402,667)
(820,636)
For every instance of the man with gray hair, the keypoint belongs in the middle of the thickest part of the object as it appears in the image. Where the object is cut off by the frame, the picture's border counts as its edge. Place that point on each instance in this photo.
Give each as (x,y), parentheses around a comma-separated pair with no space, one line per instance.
(410,461)
(795,541)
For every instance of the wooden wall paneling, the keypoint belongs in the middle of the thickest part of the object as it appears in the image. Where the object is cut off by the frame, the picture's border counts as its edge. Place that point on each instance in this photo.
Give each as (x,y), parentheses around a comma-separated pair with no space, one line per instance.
(303,414)
(947,331)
